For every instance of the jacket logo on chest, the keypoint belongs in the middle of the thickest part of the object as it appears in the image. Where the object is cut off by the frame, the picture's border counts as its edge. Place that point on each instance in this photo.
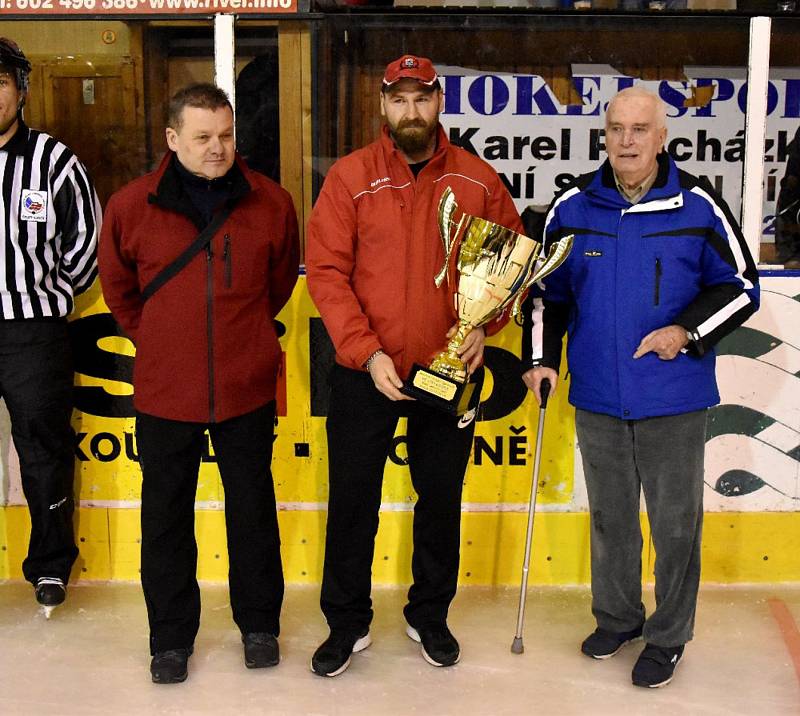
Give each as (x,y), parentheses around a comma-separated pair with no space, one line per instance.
(592,253)
(375,183)
(33,206)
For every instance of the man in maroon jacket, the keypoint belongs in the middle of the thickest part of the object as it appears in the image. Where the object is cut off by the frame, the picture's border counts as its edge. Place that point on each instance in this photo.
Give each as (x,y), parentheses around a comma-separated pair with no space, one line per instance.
(373,252)
(207,358)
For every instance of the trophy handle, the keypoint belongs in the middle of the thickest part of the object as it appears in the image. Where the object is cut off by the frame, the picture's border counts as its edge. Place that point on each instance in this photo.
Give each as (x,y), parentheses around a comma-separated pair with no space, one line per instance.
(444,272)
(447,207)
(557,255)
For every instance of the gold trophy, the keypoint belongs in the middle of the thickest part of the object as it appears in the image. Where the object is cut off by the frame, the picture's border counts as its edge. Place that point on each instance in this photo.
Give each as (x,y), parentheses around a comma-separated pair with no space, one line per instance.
(493,268)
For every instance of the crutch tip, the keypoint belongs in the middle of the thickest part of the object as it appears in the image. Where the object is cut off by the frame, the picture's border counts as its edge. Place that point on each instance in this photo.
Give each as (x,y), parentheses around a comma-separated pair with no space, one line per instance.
(516,646)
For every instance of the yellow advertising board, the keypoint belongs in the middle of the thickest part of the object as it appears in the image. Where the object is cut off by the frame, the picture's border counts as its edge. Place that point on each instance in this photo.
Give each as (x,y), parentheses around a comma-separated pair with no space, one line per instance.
(496,491)
(500,473)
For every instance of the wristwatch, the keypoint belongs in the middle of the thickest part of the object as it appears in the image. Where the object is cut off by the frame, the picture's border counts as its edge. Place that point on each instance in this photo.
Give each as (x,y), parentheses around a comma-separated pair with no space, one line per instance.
(369,361)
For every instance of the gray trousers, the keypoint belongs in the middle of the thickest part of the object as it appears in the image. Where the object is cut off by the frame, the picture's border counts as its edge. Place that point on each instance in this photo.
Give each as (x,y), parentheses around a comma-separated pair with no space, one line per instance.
(664,457)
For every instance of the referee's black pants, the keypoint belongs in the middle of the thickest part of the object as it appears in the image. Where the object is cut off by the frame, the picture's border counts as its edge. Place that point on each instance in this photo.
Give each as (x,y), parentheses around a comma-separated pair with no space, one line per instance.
(169,454)
(36,380)
(360,426)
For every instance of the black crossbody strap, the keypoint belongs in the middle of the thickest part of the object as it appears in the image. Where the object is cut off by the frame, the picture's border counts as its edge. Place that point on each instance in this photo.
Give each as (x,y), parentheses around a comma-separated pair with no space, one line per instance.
(202,240)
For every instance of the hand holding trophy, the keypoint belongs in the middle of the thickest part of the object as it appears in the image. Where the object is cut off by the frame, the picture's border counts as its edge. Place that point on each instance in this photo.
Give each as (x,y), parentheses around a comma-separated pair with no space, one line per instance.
(487,266)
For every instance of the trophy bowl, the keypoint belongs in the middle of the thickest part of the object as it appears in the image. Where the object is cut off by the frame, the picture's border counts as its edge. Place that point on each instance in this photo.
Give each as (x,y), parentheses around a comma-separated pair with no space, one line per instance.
(487,267)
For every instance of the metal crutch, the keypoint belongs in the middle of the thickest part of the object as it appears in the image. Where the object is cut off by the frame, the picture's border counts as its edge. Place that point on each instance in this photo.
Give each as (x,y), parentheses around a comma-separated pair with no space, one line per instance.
(516,646)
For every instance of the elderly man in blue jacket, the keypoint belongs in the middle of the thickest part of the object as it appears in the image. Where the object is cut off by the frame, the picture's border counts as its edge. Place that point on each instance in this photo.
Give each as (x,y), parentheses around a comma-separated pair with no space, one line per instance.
(659,273)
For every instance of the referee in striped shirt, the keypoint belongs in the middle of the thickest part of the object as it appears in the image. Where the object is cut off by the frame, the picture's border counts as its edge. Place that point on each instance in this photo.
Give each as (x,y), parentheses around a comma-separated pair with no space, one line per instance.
(49,221)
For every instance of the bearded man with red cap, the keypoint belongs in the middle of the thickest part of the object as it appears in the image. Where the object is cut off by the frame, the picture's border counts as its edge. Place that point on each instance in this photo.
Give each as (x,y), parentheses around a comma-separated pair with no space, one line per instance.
(373,251)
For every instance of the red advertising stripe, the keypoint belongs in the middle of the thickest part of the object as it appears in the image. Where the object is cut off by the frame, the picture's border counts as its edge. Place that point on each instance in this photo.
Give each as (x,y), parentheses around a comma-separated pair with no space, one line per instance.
(144,7)
(789,631)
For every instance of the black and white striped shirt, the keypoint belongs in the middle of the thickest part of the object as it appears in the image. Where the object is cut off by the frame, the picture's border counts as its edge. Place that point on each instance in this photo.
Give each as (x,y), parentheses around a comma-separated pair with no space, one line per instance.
(49,222)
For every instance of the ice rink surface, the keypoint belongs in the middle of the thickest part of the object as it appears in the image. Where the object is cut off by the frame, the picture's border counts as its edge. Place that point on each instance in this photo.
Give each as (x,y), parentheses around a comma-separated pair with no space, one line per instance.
(92,657)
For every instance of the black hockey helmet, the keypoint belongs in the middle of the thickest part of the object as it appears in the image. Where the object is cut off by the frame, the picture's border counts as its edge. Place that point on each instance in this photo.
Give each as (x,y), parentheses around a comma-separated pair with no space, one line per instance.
(12,58)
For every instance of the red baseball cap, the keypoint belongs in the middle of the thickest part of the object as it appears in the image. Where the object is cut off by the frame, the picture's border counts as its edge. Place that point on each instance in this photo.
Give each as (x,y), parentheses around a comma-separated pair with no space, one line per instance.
(410,67)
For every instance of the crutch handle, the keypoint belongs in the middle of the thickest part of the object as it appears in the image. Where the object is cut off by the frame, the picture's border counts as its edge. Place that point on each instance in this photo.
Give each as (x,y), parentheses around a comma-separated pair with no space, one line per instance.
(544,392)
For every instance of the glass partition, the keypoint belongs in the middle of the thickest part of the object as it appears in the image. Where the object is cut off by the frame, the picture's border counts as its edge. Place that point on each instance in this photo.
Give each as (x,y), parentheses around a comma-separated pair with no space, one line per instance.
(781,234)
(257,97)
(102,87)
(174,55)
(528,93)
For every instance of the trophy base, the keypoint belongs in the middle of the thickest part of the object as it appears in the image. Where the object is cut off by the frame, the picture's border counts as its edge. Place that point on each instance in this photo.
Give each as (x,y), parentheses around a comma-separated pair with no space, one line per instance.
(438,391)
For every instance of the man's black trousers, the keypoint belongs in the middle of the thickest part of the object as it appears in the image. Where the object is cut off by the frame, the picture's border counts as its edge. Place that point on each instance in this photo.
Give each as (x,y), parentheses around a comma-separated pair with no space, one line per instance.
(360,427)
(36,382)
(170,453)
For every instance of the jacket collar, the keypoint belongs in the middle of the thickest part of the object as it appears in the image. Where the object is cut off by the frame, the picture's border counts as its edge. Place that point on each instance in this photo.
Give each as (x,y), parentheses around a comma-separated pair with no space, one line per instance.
(17,143)
(663,195)
(170,194)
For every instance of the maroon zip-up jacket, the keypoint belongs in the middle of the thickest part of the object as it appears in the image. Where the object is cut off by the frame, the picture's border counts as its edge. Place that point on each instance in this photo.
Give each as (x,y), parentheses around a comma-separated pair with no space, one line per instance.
(206,345)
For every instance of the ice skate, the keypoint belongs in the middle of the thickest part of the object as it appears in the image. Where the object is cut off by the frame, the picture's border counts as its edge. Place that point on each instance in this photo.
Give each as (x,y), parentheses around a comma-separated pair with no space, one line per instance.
(50,593)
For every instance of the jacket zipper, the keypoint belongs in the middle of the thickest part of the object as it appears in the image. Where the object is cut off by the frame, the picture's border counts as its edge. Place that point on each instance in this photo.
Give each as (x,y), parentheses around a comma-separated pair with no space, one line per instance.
(210,329)
(657,296)
(574,328)
(226,257)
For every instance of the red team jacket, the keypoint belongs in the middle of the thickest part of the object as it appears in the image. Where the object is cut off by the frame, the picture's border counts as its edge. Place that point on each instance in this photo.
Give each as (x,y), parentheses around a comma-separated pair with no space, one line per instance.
(374,249)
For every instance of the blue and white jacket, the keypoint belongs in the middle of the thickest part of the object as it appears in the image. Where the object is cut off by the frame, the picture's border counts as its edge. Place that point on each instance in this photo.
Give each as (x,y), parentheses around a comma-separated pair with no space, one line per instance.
(676,257)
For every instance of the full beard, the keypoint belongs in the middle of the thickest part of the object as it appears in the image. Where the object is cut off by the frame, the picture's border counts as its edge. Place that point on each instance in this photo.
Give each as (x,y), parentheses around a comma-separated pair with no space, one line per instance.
(413,136)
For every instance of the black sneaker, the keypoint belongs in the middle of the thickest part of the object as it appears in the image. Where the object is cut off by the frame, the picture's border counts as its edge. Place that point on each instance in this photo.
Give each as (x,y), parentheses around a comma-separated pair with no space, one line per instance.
(656,665)
(170,666)
(333,655)
(260,650)
(439,646)
(602,644)
(50,591)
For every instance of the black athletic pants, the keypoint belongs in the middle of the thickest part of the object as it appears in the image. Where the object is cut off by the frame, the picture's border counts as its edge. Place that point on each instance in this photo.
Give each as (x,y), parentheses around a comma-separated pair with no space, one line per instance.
(360,427)
(170,452)
(36,380)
